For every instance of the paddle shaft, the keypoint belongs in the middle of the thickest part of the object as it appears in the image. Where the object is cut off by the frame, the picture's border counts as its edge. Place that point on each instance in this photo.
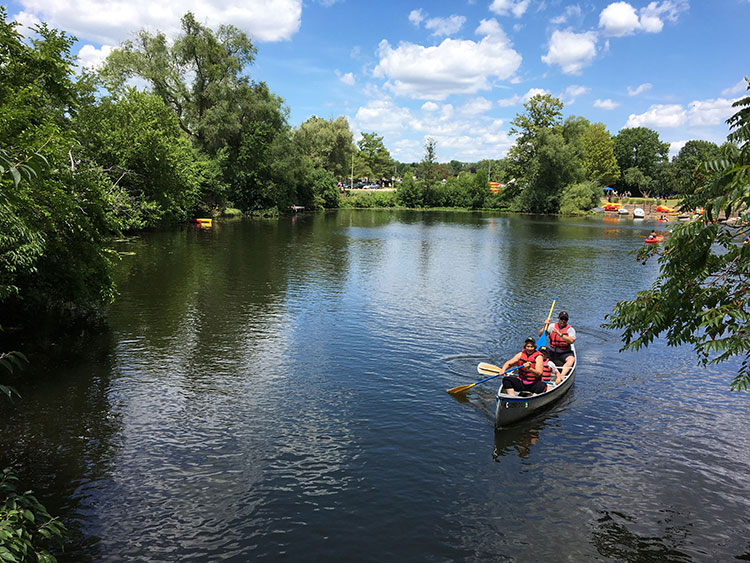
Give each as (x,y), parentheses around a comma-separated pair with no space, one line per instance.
(498,375)
(542,341)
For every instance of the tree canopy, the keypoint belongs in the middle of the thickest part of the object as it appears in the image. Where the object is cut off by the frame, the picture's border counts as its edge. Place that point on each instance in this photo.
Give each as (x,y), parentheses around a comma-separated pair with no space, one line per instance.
(639,148)
(375,160)
(701,294)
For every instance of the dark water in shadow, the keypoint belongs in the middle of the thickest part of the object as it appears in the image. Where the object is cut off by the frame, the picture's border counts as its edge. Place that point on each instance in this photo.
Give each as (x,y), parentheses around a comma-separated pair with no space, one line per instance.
(276,390)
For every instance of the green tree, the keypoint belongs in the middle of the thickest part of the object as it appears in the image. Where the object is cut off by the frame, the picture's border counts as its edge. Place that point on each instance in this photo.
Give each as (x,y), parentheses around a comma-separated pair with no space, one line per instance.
(634,179)
(410,193)
(328,142)
(539,125)
(579,198)
(478,190)
(373,156)
(202,77)
(556,165)
(599,156)
(53,230)
(641,148)
(687,161)
(199,75)
(138,142)
(701,296)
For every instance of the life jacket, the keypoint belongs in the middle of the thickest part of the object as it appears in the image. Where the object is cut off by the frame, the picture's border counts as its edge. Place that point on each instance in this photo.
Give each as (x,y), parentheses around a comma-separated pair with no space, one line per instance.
(525,375)
(556,341)
(547,373)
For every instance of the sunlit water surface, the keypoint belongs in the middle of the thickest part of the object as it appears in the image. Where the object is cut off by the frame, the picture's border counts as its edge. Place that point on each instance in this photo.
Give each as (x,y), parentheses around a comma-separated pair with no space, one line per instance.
(276,390)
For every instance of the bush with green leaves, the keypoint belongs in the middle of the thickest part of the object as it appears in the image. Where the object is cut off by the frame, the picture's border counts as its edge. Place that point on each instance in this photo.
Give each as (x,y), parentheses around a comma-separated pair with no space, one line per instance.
(410,193)
(579,198)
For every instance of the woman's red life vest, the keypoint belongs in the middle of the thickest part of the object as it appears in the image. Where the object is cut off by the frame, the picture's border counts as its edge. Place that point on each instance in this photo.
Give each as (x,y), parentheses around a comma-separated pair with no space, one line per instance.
(525,375)
(556,340)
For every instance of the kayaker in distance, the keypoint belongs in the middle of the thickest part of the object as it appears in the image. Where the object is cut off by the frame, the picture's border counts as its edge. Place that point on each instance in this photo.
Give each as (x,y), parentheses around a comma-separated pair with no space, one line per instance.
(561,336)
(530,375)
(652,236)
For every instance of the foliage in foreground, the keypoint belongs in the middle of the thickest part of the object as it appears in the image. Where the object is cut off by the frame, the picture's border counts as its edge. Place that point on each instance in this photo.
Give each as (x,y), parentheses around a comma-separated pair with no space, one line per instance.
(702,295)
(26,528)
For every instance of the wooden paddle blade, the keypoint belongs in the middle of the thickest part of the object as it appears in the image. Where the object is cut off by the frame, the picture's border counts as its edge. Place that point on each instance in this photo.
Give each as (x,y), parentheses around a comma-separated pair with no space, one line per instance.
(461,389)
(488,368)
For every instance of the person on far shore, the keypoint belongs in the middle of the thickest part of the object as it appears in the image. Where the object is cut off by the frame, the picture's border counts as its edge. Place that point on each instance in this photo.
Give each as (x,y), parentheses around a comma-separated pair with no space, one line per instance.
(561,337)
(529,376)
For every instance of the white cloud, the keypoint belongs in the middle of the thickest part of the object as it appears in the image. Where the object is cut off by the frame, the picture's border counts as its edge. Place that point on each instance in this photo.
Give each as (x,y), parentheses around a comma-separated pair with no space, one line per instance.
(416,17)
(476,106)
(463,133)
(445,26)
(639,89)
(675,147)
(605,104)
(453,67)
(506,102)
(347,78)
(659,116)
(710,112)
(572,51)
(508,7)
(382,116)
(113,21)
(573,92)
(91,57)
(620,18)
(27,21)
(571,12)
(738,88)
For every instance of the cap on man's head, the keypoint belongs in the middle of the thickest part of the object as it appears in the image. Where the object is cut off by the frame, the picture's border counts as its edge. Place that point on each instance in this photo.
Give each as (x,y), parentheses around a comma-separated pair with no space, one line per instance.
(563,315)
(530,339)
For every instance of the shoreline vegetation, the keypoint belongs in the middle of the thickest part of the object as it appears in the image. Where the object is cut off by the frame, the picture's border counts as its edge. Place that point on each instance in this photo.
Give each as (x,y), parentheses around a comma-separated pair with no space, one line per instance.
(86,157)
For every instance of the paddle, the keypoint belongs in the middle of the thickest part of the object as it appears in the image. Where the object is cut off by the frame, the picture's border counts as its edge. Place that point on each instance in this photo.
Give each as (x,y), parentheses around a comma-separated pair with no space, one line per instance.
(489,368)
(543,338)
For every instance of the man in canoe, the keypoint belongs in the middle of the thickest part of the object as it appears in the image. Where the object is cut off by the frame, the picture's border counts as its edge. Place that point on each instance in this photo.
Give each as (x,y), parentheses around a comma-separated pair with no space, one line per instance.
(529,376)
(561,336)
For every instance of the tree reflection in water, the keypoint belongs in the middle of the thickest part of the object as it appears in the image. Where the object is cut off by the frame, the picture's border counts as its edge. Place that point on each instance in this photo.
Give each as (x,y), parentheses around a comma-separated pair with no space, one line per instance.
(613,539)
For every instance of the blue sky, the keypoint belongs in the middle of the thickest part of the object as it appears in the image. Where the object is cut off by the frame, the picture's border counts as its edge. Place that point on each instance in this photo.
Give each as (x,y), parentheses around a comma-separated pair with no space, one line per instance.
(460,71)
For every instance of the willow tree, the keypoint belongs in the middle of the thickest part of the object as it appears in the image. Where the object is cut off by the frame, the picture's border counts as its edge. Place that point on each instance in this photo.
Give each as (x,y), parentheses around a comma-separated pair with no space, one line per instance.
(202,76)
(701,296)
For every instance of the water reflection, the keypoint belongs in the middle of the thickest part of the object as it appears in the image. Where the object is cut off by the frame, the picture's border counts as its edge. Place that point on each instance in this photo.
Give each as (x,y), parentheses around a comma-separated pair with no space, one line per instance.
(518,439)
(613,537)
(276,390)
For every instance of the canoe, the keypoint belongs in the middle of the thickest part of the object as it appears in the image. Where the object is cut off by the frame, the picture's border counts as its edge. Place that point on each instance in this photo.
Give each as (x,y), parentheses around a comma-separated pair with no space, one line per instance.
(657,238)
(623,211)
(512,408)
(639,213)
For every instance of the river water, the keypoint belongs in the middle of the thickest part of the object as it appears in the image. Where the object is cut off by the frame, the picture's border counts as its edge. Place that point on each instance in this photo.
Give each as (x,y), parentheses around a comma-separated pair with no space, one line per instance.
(275,390)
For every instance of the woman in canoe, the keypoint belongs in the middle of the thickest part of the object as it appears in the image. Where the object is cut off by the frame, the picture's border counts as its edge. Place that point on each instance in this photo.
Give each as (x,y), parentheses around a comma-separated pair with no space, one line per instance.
(529,376)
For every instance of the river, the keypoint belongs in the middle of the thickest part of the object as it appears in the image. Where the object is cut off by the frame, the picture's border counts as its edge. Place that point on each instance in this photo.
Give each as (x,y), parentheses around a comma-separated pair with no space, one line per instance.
(275,390)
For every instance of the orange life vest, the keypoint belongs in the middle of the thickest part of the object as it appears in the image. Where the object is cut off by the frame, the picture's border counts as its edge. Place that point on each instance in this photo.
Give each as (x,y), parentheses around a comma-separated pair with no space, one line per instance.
(547,374)
(556,341)
(526,375)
